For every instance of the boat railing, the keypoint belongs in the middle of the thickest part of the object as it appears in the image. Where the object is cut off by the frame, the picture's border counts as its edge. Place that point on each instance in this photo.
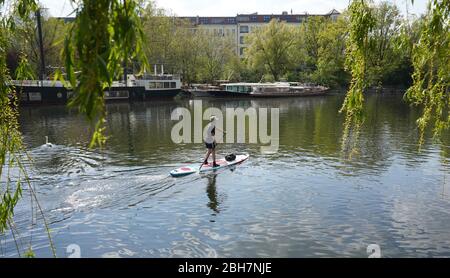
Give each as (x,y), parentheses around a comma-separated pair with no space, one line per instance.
(159,77)
(37,83)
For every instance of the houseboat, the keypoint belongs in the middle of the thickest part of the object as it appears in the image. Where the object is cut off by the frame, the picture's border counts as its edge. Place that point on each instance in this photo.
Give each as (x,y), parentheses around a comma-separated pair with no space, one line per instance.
(137,88)
(277,89)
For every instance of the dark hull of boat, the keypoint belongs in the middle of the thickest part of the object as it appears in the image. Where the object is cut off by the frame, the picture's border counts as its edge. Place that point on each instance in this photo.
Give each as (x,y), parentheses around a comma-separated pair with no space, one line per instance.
(34,95)
(226,94)
(217,94)
(201,93)
(28,95)
(163,94)
(296,94)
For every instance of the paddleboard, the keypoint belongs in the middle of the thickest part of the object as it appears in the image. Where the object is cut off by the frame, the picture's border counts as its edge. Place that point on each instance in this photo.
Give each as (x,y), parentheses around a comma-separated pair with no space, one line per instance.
(187,170)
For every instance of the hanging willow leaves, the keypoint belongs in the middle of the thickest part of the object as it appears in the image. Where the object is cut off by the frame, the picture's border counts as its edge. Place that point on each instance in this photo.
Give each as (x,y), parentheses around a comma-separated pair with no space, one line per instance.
(10,137)
(12,149)
(105,33)
(431,77)
(361,23)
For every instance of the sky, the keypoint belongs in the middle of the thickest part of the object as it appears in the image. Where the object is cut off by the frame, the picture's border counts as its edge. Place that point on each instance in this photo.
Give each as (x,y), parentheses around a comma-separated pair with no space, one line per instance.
(63,8)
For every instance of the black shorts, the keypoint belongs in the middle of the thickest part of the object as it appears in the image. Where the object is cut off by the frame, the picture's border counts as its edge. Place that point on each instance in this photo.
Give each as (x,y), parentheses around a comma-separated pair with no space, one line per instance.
(210,146)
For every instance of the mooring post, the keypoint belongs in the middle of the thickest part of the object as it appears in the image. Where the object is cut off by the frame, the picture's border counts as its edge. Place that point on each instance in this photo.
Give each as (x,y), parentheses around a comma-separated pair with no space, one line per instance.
(41,46)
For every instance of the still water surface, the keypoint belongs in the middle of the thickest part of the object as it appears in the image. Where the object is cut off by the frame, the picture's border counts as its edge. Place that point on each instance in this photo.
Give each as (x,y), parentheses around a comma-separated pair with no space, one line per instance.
(306,200)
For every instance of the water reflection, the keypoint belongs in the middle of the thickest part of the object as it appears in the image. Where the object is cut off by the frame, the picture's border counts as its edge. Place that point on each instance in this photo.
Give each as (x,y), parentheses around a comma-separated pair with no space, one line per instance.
(304,201)
(211,191)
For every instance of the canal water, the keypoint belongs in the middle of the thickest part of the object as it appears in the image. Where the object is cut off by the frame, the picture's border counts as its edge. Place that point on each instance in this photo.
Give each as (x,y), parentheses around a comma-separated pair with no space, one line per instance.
(306,200)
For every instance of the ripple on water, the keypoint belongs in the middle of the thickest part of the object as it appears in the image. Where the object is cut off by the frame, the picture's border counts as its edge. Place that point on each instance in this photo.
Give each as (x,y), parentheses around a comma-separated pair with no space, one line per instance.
(306,200)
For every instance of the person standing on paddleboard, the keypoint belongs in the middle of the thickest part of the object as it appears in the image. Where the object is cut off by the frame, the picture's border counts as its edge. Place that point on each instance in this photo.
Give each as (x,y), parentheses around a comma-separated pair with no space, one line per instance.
(210,140)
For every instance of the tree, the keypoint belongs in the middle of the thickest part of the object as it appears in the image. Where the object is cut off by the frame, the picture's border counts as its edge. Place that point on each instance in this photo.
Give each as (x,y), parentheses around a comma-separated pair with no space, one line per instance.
(270,49)
(431,77)
(216,52)
(362,22)
(11,145)
(404,41)
(183,49)
(383,58)
(331,54)
(185,54)
(26,40)
(307,46)
(104,35)
(160,32)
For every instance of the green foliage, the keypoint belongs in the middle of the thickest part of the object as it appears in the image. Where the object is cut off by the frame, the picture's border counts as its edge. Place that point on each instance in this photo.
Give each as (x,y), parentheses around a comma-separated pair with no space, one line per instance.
(25,39)
(307,45)
(185,54)
(11,145)
(331,54)
(161,32)
(372,43)
(270,49)
(215,53)
(362,22)
(10,137)
(105,33)
(384,59)
(431,77)
(195,54)
(29,254)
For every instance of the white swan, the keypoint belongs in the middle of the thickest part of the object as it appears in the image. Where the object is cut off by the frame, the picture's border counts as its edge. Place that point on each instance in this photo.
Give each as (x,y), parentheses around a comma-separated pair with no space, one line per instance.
(47,144)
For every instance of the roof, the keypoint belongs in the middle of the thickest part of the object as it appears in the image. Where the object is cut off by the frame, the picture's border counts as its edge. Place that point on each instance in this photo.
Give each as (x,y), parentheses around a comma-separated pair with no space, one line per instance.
(255,17)
(210,20)
(242,18)
(261,18)
(333,11)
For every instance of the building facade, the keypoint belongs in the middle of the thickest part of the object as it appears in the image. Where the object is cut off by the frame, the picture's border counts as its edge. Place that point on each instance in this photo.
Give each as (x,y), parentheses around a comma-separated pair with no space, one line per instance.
(239,27)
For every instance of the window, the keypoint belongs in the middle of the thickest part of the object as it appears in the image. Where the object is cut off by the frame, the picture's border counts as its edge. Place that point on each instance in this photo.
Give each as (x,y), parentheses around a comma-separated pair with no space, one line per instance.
(266,18)
(166,84)
(241,51)
(173,84)
(243,29)
(254,18)
(35,96)
(233,31)
(217,20)
(220,32)
(242,39)
(243,19)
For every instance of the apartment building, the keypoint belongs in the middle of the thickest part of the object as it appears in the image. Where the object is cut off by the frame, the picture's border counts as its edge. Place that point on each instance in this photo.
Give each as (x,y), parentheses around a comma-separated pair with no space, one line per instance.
(239,27)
